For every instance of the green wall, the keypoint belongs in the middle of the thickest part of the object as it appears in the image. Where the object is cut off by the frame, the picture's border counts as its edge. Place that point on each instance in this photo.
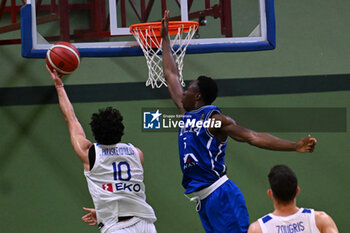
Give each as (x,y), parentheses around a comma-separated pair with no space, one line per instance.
(42,187)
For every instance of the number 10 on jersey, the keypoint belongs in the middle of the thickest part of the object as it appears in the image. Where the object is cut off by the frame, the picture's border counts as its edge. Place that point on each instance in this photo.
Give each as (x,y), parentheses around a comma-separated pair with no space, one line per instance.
(119,173)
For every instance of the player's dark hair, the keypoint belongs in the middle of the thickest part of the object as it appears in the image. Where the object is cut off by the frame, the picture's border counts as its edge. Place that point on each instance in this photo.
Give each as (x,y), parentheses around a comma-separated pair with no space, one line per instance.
(283,182)
(107,126)
(208,89)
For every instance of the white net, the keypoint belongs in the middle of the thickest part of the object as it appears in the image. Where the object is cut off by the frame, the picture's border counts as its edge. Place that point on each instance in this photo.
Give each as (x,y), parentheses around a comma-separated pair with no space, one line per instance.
(152,49)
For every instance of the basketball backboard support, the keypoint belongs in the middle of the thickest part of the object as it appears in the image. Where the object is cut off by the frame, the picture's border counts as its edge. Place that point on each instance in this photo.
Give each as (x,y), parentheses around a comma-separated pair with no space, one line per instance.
(100,28)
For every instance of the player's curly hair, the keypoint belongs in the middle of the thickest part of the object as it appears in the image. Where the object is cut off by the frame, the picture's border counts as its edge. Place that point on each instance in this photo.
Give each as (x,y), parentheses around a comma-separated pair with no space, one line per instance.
(208,89)
(283,182)
(107,126)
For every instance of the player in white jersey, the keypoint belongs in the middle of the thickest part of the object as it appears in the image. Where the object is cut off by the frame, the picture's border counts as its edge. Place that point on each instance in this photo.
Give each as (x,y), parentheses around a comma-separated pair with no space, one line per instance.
(287,217)
(113,170)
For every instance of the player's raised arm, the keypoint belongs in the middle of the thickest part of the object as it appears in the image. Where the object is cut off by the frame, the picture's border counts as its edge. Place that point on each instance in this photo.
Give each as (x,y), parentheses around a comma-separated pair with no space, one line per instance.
(170,71)
(229,128)
(79,141)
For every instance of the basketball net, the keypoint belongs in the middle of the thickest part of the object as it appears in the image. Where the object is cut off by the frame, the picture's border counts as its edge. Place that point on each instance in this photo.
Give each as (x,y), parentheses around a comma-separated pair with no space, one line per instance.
(148,37)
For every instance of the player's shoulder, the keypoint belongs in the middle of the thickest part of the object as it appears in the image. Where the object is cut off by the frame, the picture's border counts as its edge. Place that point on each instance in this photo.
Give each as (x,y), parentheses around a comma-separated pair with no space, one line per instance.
(138,150)
(223,118)
(124,144)
(255,228)
(322,217)
(324,221)
(140,154)
(129,145)
(213,108)
(207,109)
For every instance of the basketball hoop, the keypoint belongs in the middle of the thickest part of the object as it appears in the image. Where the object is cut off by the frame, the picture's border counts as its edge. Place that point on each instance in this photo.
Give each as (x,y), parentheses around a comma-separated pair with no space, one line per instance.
(149,38)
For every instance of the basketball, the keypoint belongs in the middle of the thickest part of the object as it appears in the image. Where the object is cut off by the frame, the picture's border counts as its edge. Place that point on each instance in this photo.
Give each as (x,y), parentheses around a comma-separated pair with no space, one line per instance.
(63,57)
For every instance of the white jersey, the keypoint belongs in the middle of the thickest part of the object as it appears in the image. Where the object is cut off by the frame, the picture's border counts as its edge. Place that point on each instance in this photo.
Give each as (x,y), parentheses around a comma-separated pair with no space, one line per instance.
(303,221)
(116,185)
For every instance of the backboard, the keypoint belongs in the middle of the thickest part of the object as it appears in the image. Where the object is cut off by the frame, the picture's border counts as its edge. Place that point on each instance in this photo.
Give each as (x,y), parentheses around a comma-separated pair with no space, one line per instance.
(100,28)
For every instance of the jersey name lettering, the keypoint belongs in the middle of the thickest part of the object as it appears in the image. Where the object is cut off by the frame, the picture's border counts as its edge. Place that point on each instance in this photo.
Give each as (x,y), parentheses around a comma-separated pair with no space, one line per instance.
(117,151)
(291,228)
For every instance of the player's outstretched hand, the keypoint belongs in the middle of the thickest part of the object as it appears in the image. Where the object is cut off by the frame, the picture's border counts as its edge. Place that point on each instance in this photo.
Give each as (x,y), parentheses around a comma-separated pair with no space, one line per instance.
(90,218)
(55,77)
(306,144)
(165,19)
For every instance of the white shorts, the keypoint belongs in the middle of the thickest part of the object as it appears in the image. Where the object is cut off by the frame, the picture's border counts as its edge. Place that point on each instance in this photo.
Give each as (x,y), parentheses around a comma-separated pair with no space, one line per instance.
(134,225)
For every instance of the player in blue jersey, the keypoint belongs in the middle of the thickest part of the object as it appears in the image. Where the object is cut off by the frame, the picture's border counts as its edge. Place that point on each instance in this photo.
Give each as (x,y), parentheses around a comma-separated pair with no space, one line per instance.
(220,203)
(287,217)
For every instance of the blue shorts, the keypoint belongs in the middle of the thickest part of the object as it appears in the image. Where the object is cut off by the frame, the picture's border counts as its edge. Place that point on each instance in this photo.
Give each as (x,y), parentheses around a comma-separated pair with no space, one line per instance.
(224,210)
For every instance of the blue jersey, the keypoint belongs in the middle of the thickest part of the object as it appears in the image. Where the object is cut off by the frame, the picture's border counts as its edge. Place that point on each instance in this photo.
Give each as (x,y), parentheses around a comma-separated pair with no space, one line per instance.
(202,155)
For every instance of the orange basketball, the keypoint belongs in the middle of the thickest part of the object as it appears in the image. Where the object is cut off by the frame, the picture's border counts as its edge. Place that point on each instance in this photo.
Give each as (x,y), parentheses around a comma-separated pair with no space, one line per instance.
(63,57)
